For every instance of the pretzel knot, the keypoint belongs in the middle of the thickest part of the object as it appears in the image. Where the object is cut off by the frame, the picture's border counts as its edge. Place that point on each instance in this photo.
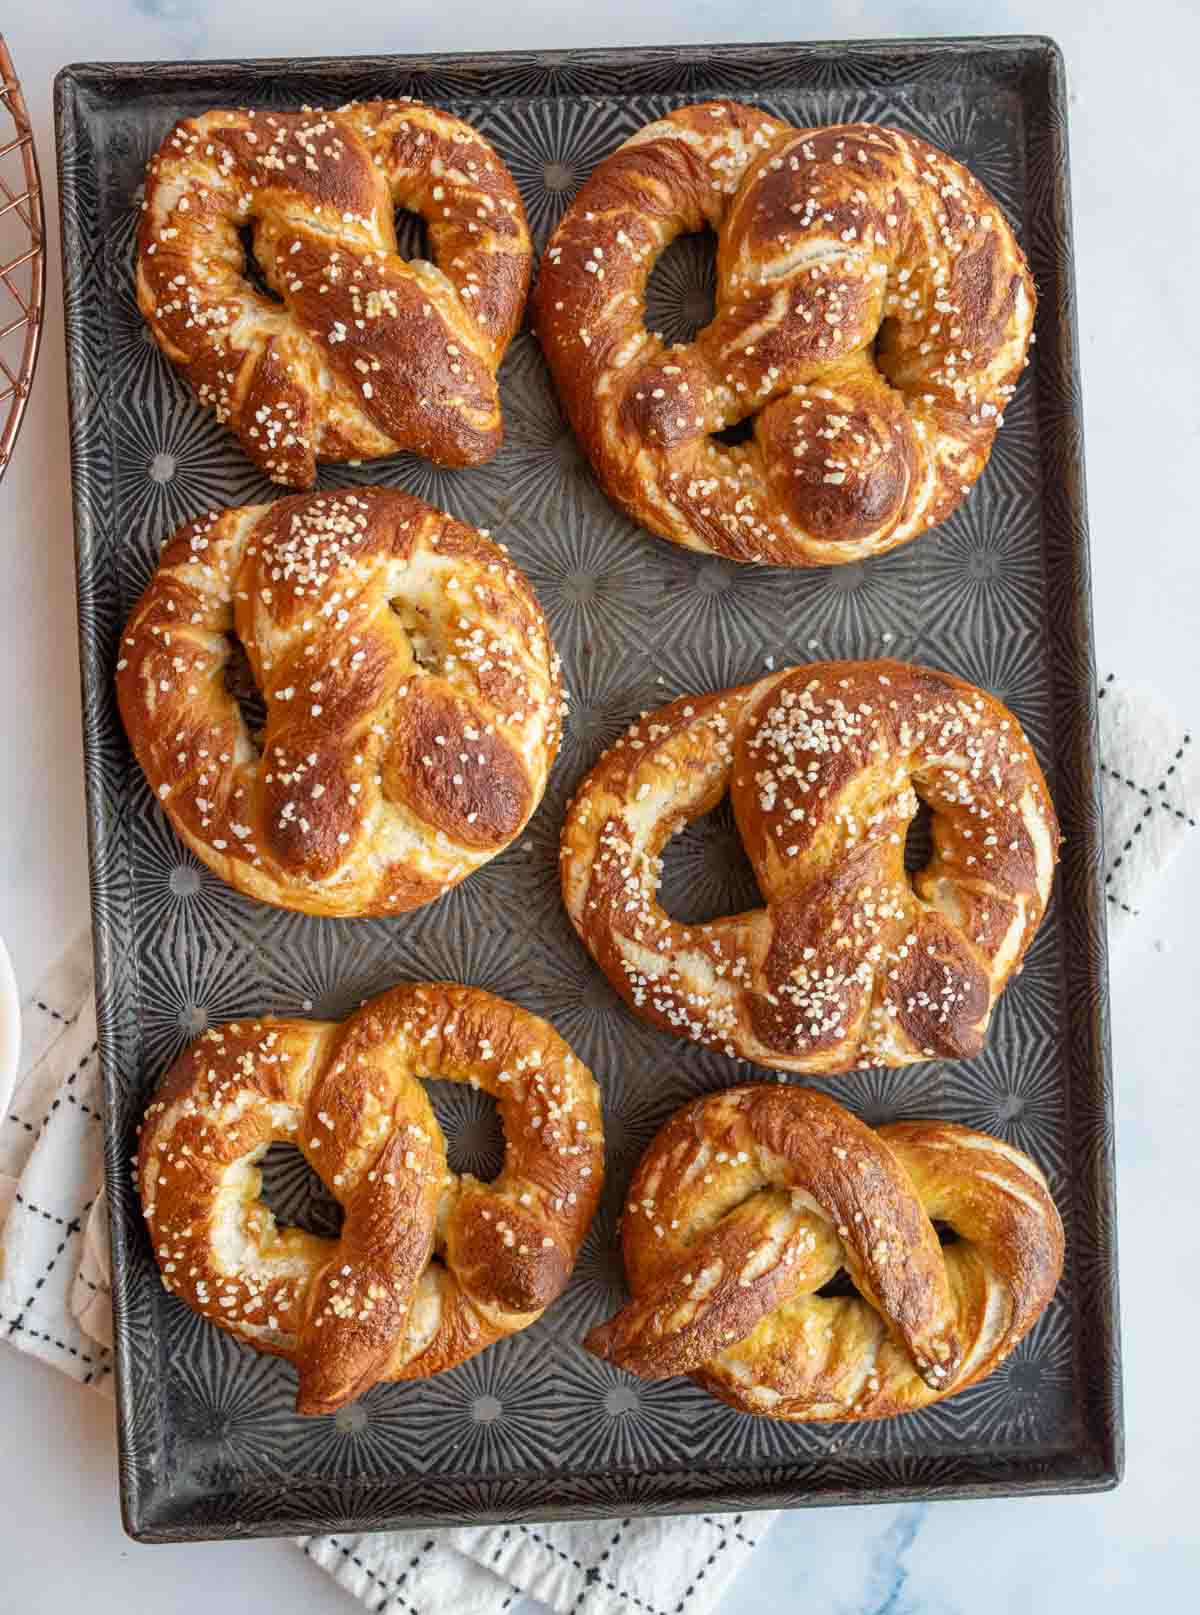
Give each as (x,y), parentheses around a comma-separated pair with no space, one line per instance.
(355,353)
(749,1201)
(851,962)
(873,312)
(431,1266)
(412,699)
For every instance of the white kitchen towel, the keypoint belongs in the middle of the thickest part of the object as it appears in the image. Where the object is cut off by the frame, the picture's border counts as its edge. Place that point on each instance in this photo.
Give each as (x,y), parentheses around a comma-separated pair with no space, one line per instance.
(54,1298)
(51,1175)
(1150,785)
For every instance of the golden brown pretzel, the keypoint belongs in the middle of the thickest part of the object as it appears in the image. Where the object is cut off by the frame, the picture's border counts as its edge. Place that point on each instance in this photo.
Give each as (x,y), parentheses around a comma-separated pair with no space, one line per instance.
(430,1267)
(827,239)
(412,696)
(850,963)
(363,353)
(748,1201)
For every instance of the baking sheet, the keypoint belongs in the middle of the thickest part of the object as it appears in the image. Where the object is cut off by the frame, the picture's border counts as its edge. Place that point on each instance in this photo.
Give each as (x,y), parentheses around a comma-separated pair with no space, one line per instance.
(999,594)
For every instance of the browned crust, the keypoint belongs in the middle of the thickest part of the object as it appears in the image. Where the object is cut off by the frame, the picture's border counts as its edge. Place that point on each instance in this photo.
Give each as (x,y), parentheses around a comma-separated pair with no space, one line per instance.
(490,804)
(361,354)
(827,237)
(378,781)
(748,1201)
(349,1096)
(850,963)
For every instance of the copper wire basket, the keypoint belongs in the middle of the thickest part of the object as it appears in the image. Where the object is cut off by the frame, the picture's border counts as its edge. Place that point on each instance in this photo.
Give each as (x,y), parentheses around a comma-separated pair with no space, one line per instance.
(22,257)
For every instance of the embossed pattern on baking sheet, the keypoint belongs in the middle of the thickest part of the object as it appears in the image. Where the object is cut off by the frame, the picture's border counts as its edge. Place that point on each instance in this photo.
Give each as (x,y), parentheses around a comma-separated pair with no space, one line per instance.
(637,621)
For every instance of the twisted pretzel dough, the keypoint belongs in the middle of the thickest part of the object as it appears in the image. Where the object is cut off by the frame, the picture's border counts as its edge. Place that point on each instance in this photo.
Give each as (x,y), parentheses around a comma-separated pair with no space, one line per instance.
(850,963)
(364,353)
(412,695)
(828,238)
(748,1201)
(430,1267)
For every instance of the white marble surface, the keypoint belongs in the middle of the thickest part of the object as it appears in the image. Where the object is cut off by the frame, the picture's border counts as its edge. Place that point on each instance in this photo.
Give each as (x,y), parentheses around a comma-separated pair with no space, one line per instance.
(1137,200)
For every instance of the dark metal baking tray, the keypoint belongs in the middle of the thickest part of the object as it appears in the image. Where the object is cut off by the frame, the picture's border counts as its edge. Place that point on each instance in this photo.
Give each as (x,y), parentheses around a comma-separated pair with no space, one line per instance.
(1000,594)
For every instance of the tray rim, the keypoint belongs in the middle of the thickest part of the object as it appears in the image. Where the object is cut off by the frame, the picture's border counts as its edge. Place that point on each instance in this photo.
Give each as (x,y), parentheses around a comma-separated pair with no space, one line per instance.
(916,48)
(1096,1461)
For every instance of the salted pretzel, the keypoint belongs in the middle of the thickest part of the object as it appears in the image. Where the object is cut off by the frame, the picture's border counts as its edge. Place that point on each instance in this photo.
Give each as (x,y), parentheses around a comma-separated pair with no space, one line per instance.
(873,312)
(361,353)
(412,698)
(749,1201)
(431,1266)
(850,963)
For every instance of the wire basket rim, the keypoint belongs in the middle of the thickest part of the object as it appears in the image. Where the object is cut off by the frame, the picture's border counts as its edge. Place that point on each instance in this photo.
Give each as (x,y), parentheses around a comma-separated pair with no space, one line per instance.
(28,207)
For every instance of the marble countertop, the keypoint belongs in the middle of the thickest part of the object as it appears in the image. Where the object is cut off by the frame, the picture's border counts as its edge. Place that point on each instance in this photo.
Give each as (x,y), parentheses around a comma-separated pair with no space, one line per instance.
(1137,197)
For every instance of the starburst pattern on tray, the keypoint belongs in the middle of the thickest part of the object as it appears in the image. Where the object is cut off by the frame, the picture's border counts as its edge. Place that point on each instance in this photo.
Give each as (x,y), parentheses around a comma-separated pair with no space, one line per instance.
(178,898)
(682,289)
(189,989)
(1030,1389)
(983,568)
(295,1193)
(706,873)
(230,1405)
(489,1414)
(1015,1093)
(551,147)
(617,1421)
(471,1127)
(175,464)
(372,1437)
(593,584)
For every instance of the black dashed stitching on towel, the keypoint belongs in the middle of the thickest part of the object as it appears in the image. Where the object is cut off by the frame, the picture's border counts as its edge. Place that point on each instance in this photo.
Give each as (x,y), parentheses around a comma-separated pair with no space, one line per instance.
(739,1535)
(388,1592)
(37,1129)
(1142,789)
(19,1325)
(414,1562)
(47,1215)
(53,1013)
(1148,795)
(595,1575)
(701,1573)
(617,1592)
(71,1228)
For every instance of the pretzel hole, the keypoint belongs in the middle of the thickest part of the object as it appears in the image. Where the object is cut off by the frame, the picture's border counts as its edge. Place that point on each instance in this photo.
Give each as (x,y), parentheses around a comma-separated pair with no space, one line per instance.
(918,842)
(417,625)
(252,270)
(412,236)
(706,873)
(243,687)
(681,292)
(470,1123)
(296,1195)
(740,432)
(841,1284)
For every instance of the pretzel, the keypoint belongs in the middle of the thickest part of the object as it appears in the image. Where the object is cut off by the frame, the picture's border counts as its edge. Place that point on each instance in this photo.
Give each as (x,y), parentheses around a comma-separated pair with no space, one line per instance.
(361,353)
(749,1201)
(431,1266)
(828,239)
(412,699)
(849,963)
